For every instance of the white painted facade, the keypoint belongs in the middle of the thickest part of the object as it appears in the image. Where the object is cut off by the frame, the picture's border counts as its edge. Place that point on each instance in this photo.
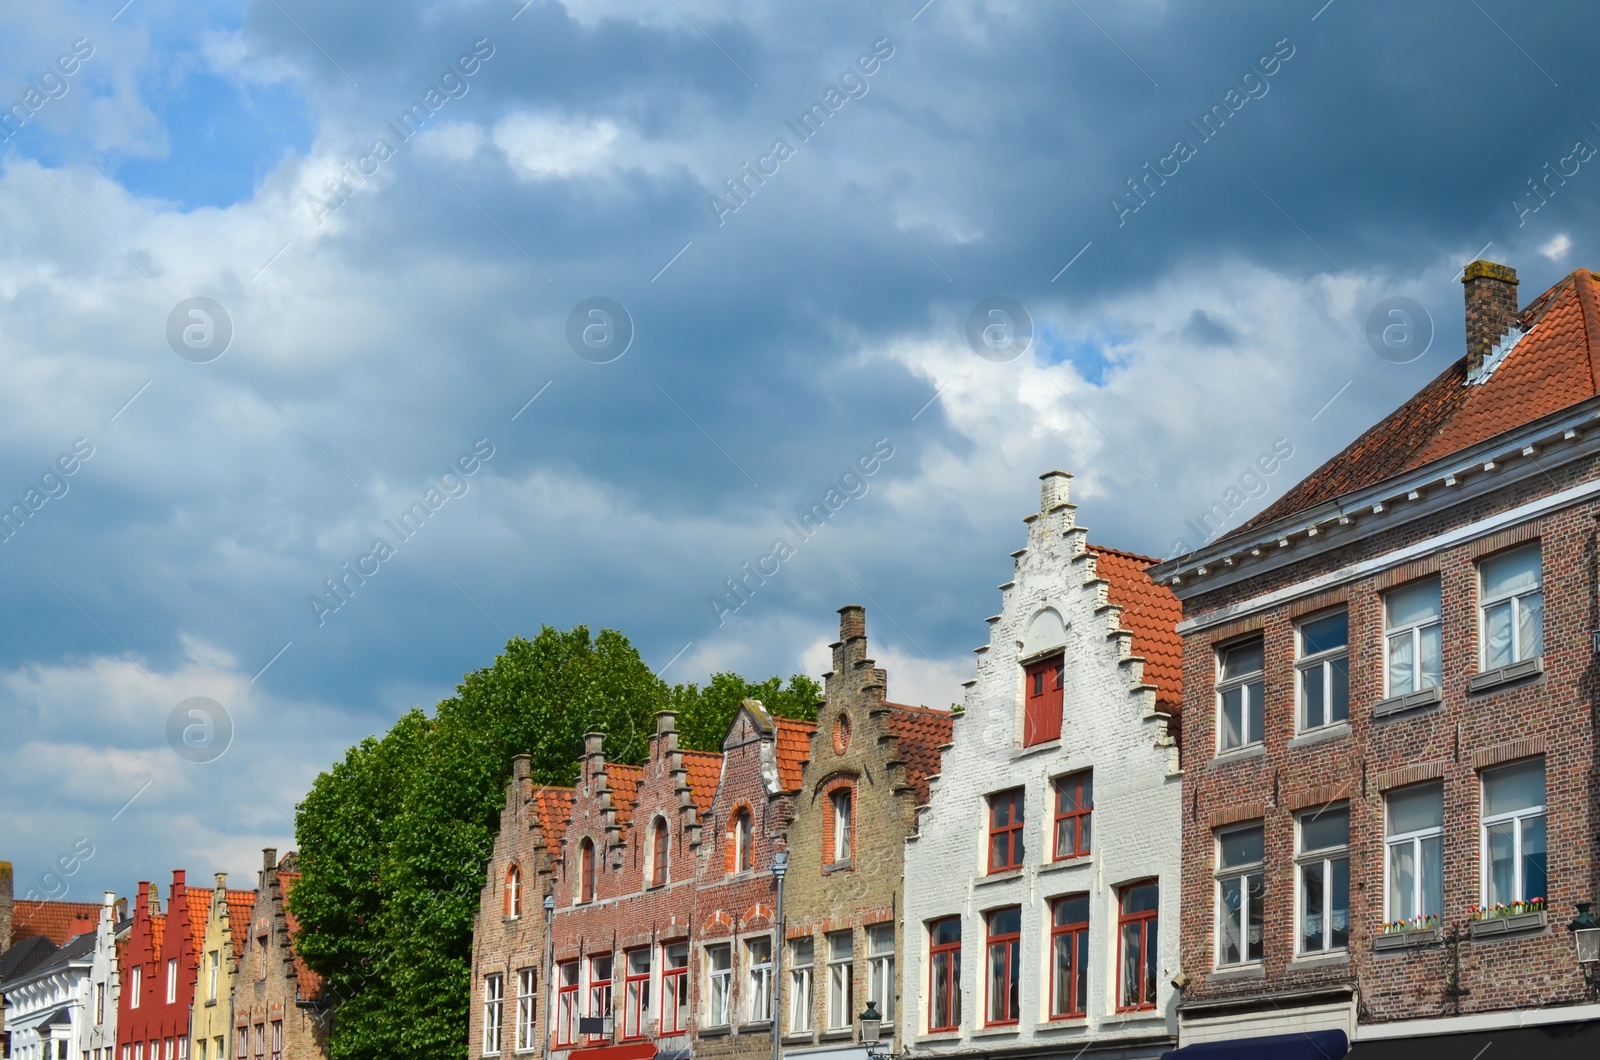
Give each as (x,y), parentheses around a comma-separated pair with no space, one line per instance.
(1110,725)
(105,985)
(45,1007)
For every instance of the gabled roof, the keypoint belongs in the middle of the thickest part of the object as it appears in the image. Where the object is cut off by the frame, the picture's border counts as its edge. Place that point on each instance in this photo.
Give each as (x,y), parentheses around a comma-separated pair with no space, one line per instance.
(1151,613)
(793,750)
(624,782)
(1556,364)
(704,773)
(25,956)
(53,920)
(197,903)
(310,983)
(158,932)
(553,807)
(240,905)
(79,950)
(923,731)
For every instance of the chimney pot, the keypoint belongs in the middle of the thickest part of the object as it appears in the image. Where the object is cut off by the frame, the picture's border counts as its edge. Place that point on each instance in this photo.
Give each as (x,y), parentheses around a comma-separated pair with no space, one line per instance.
(1490,290)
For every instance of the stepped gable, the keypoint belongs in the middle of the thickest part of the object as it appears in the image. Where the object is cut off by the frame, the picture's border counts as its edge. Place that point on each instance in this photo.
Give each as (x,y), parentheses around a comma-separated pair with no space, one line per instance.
(922,732)
(53,920)
(310,983)
(704,772)
(793,750)
(1555,365)
(1151,613)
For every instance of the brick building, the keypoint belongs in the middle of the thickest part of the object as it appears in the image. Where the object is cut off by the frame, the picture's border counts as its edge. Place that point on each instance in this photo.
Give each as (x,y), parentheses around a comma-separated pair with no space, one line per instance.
(864,780)
(1043,916)
(160,970)
(279,1009)
(1389,682)
(227,924)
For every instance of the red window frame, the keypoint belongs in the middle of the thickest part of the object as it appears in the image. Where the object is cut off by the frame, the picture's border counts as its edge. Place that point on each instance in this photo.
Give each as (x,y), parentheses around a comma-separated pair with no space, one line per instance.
(658,854)
(674,981)
(586,871)
(1008,946)
(1073,821)
(1146,924)
(948,955)
(1005,830)
(1041,715)
(635,1002)
(513,903)
(1074,935)
(600,1000)
(566,1028)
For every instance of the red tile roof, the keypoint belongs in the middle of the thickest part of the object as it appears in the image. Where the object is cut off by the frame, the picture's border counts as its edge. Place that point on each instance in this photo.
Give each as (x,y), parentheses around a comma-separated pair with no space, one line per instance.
(624,782)
(53,920)
(1554,366)
(704,773)
(1151,613)
(197,902)
(158,932)
(922,732)
(794,750)
(553,807)
(310,982)
(240,905)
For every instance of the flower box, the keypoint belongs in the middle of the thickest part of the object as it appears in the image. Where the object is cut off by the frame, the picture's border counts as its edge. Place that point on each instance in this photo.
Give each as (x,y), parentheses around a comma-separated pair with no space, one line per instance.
(1389,941)
(1516,924)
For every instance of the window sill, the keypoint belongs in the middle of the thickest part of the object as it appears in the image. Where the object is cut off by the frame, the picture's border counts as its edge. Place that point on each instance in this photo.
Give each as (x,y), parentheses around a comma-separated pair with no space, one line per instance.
(839,1034)
(1065,1023)
(1142,1015)
(763,1027)
(1036,748)
(998,877)
(847,865)
(1394,705)
(1312,737)
(1245,971)
(1079,862)
(951,1035)
(1004,1030)
(807,1038)
(1405,941)
(1255,750)
(721,1031)
(1331,959)
(1505,675)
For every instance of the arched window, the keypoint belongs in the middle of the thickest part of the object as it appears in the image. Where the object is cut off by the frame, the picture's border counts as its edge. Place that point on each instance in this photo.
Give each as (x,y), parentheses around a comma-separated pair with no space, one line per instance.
(739,853)
(586,871)
(513,890)
(658,853)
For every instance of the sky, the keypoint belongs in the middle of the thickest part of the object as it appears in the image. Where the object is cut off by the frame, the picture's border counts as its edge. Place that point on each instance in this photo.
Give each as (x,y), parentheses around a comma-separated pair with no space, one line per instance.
(606,294)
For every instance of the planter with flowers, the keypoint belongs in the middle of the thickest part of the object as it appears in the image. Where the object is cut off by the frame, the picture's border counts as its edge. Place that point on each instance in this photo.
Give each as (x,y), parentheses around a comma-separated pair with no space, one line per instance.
(1420,930)
(1506,918)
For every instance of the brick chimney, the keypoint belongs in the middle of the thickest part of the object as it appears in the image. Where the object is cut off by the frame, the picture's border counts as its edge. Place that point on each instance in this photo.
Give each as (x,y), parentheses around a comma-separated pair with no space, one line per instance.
(1491,296)
(6,897)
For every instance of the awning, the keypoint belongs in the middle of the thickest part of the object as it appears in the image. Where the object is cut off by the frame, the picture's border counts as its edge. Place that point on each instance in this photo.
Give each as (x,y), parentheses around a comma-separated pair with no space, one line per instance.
(628,1051)
(1310,1045)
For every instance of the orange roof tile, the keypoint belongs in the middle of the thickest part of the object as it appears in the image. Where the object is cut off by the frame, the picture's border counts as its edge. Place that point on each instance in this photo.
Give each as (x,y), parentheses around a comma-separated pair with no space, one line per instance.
(158,932)
(704,774)
(240,905)
(53,920)
(310,982)
(923,731)
(197,901)
(1553,367)
(553,807)
(624,782)
(794,750)
(1151,613)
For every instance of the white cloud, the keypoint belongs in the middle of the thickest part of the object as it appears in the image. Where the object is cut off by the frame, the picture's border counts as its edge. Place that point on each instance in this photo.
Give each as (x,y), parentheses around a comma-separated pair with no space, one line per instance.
(1557,248)
(543,146)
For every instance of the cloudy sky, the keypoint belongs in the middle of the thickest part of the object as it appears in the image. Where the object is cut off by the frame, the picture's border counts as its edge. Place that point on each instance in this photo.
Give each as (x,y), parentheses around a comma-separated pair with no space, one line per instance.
(383,298)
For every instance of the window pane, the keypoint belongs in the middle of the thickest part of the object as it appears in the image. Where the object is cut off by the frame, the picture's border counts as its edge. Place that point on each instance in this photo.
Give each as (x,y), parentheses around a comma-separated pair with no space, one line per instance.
(1255,704)
(1412,605)
(1432,656)
(1533,858)
(1144,898)
(1324,634)
(1230,931)
(1083,971)
(1232,718)
(1515,787)
(947,932)
(1433,875)
(1245,846)
(1071,911)
(1497,635)
(939,1016)
(1339,903)
(1255,930)
(1530,626)
(1402,881)
(1132,958)
(1338,689)
(841,945)
(1005,921)
(1314,693)
(1502,862)
(1311,901)
(1402,659)
(1413,809)
(1242,659)
(1510,572)
(997,983)
(1062,1001)
(1329,828)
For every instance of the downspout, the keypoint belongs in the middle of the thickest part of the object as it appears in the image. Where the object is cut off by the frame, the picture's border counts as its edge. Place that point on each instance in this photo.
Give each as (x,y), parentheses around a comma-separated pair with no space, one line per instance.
(780,865)
(549,970)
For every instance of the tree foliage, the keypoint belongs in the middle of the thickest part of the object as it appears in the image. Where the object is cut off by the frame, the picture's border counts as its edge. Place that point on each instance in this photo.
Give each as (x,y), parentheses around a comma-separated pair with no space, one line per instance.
(395,839)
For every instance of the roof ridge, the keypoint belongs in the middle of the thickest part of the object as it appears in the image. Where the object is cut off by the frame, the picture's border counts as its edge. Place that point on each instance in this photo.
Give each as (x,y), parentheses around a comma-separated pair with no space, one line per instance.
(1589,306)
(916,707)
(1092,547)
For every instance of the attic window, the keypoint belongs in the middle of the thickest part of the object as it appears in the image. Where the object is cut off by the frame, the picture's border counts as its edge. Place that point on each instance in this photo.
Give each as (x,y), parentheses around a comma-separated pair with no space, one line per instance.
(1496,357)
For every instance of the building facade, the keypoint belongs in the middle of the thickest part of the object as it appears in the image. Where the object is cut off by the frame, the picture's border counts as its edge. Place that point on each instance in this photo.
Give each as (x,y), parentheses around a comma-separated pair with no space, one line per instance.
(227,921)
(46,1006)
(1389,742)
(105,982)
(279,1011)
(1044,912)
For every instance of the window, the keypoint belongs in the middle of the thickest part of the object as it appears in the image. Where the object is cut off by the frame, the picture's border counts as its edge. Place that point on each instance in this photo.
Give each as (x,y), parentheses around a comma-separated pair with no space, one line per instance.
(739,854)
(1241,887)
(1069,961)
(493,985)
(261,957)
(675,988)
(880,969)
(211,975)
(1512,619)
(1041,715)
(1239,689)
(261,1041)
(1411,631)
(636,994)
(242,1045)
(841,813)
(658,853)
(100,1002)
(841,979)
(277,1042)
(1322,670)
(1005,830)
(719,965)
(586,871)
(944,974)
(1415,862)
(599,989)
(1074,803)
(513,902)
(567,1003)
(200,1053)
(1138,933)
(171,1046)
(135,981)
(1324,880)
(1513,832)
(758,981)
(172,980)
(802,955)
(138,1048)
(1004,965)
(527,1000)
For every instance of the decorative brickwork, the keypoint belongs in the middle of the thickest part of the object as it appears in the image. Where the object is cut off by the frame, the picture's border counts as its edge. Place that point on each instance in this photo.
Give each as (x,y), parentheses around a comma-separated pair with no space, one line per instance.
(277,1001)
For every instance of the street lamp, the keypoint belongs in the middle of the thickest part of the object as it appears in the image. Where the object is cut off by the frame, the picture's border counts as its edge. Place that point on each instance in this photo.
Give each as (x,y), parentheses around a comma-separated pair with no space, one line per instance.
(872,1030)
(780,867)
(1586,941)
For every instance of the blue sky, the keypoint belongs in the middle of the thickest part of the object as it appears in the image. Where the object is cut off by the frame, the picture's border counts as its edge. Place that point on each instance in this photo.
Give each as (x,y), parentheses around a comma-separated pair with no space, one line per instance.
(383,326)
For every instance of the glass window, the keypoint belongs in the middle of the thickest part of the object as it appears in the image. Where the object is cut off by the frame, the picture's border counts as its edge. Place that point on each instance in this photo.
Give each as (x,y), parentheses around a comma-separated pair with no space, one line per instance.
(719,965)
(658,854)
(880,969)
(527,999)
(944,974)
(586,871)
(1411,632)
(1138,936)
(492,986)
(1511,620)
(740,857)
(513,902)
(802,955)
(841,979)
(1241,888)
(1069,963)
(567,1003)
(1239,695)
(1324,868)
(172,980)
(636,994)
(1415,862)
(1322,670)
(675,988)
(1514,833)
(1074,805)
(758,969)
(1004,970)
(1005,830)
(599,989)
(841,810)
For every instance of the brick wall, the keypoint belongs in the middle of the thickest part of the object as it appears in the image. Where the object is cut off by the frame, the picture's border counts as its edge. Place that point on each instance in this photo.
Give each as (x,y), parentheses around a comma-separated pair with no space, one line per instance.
(270,985)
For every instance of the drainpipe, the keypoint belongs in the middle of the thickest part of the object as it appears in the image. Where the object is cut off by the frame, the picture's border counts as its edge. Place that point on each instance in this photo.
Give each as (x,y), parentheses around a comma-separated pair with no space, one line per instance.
(549,969)
(780,865)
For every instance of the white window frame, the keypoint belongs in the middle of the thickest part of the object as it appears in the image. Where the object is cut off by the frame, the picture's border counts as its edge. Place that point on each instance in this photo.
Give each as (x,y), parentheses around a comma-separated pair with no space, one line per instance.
(1326,858)
(719,986)
(135,985)
(880,969)
(527,1009)
(1243,872)
(1323,660)
(800,984)
(758,980)
(1414,631)
(216,963)
(1415,838)
(493,998)
(1517,601)
(1518,818)
(172,980)
(1241,683)
(841,979)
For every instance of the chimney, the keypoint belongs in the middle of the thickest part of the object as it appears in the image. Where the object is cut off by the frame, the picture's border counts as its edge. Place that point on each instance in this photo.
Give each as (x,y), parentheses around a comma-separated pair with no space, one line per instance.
(1491,296)
(221,881)
(852,622)
(1053,490)
(6,901)
(594,758)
